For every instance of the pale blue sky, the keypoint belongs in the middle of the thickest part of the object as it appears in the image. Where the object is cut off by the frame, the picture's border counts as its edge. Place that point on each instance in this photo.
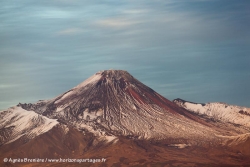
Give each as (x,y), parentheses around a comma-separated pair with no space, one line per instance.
(197,50)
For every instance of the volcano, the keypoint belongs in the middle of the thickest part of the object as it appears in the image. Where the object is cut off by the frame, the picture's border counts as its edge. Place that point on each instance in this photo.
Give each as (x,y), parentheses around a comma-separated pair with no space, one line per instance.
(113,115)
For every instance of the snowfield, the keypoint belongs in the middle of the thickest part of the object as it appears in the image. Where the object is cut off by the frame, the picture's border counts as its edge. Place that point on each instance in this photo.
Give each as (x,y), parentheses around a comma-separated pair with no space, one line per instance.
(219,111)
(16,122)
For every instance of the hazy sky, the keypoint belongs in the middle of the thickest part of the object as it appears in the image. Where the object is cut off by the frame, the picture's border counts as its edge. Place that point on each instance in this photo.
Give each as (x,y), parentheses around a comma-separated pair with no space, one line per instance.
(197,50)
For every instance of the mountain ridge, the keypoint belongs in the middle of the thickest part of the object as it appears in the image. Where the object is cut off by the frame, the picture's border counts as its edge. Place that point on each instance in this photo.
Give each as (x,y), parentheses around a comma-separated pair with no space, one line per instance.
(114,113)
(219,111)
(114,100)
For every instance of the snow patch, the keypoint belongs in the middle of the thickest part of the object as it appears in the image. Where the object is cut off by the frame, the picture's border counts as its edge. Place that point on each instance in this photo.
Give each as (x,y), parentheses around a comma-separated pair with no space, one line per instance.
(101,135)
(179,145)
(25,123)
(92,80)
(91,115)
(221,111)
(64,97)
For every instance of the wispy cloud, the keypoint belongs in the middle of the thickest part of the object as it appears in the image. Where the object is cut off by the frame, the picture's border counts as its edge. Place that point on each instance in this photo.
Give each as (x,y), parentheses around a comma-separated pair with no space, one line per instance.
(116,22)
(70,31)
(49,46)
(135,11)
(53,14)
(8,86)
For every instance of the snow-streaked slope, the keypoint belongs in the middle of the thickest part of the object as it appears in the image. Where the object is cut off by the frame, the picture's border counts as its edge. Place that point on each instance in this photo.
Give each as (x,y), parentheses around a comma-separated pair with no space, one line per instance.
(73,92)
(114,102)
(16,122)
(219,111)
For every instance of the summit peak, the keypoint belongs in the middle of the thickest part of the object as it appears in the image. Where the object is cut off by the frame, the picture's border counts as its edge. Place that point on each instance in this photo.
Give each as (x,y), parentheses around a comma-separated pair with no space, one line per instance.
(113,71)
(115,74)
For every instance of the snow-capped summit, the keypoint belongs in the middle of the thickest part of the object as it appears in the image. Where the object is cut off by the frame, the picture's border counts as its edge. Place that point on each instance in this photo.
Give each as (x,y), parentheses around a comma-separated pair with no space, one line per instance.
(114,102)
